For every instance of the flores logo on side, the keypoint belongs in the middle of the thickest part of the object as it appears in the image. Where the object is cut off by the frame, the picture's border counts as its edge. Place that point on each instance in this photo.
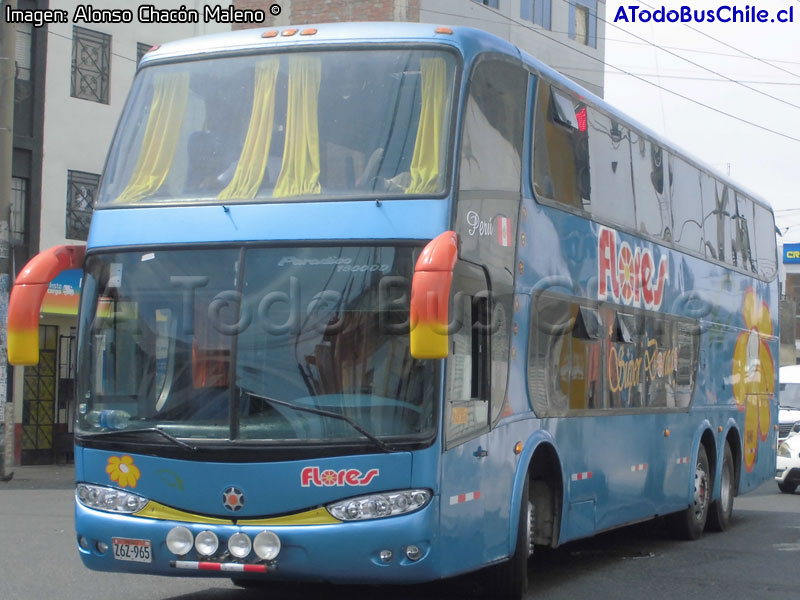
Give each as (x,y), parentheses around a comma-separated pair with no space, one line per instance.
(233,499)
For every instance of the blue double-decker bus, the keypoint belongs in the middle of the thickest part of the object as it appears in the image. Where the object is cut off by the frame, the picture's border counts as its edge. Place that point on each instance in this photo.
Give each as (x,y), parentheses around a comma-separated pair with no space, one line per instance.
(387,303)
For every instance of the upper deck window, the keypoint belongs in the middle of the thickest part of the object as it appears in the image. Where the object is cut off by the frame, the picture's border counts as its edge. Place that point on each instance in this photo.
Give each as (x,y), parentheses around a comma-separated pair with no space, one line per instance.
(311,125)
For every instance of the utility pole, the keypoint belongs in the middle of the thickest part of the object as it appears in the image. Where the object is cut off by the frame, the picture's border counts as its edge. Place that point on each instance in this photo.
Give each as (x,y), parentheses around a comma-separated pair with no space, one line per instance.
(8,73)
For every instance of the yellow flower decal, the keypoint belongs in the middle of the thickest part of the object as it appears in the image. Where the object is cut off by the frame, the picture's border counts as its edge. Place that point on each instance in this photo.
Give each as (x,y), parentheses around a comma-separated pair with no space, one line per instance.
(754,374)
(122,470)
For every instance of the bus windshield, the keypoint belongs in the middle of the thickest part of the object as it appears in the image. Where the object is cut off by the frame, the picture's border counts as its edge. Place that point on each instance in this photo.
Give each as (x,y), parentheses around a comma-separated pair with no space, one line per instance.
(285,126)
(254,344)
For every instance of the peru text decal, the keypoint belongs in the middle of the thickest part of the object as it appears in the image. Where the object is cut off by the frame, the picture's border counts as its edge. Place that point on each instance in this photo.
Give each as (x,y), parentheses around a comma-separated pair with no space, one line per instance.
(629,275)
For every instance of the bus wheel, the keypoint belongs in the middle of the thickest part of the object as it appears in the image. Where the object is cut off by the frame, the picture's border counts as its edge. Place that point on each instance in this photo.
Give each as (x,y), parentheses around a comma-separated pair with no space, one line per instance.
(511,578)
(689,523)
(719,517)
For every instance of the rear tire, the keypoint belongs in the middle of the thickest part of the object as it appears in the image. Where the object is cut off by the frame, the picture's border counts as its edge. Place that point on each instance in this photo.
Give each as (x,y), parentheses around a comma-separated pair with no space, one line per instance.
(688,524)
(511,577)
(719,517)
(787,488)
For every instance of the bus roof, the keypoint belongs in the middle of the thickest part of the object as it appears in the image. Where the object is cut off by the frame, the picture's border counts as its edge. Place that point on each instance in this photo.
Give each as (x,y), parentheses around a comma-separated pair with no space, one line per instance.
(468,39)
(244,40)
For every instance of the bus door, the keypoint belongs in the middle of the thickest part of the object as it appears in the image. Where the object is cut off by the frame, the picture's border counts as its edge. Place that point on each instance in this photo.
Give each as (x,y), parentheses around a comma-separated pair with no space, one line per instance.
(466,418)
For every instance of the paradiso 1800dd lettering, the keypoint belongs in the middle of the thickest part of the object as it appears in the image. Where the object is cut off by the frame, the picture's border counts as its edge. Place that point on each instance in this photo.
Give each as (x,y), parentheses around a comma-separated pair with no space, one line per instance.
(629,275)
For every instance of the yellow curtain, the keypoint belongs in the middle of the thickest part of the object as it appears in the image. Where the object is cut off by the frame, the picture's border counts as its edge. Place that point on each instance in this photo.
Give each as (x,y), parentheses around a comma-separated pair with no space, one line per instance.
(300,167)
(160,136)
(253,160)
(428,146)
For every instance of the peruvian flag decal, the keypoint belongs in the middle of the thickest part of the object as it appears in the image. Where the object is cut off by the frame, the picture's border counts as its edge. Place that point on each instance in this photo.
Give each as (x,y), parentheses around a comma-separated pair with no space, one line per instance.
(503,231)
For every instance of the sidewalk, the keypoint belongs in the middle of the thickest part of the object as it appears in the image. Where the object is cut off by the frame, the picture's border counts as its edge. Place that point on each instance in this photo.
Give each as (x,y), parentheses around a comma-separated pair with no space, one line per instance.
(40,477)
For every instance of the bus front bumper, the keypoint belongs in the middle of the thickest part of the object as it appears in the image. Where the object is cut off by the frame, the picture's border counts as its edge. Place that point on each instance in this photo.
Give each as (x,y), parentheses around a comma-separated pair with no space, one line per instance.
(372,551)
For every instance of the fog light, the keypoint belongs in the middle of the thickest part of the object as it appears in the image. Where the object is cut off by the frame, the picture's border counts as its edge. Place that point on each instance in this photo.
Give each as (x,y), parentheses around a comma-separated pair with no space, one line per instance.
(101,547)
(239,545)
(413,552)
(83,543)
(206,543)
(267,545)
(179,540)
(386,556)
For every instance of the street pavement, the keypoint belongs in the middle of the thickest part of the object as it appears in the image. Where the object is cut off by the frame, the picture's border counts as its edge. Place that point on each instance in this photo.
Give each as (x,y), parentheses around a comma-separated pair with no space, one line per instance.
(755,559)
(40,477)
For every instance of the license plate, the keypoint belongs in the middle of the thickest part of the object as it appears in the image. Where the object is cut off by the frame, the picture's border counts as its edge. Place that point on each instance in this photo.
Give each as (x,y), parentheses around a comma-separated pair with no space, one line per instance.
(134,550)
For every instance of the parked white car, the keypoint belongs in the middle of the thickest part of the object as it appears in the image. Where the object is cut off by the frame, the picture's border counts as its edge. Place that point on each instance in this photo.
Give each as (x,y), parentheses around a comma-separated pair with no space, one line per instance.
(788,468)
(789,399)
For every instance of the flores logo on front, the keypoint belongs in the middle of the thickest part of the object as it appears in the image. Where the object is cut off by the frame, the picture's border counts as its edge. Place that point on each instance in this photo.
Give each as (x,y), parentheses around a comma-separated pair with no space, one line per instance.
(313,476)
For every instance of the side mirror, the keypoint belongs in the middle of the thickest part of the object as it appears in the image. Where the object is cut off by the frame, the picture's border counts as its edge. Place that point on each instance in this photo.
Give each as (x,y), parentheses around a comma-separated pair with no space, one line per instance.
(430,297)
(26,299)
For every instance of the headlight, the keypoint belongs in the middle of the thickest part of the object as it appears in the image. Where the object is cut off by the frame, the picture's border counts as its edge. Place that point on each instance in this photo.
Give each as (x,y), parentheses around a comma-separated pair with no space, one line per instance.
(377,506)
(783,450)
(108,499)
(180,540)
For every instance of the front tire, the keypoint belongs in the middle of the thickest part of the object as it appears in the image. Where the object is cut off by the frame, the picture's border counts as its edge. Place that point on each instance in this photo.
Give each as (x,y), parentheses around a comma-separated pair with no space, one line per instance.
(689,523)
(719,517)
(511,577)
(786,487)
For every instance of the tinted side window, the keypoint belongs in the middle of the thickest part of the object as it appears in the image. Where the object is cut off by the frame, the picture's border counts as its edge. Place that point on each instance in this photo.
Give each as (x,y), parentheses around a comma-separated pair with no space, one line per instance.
(494,121)
(708,194)
(565,361)
(588,356)
(560,149)
(687,209)
(653,213)
(742,234)
(766,261)
(610,170)
(724,207)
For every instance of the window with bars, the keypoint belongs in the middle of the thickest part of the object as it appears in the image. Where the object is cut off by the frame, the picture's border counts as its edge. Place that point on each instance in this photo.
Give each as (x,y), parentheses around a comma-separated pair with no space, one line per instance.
(22,54)
(19,204)
(91,64)
(141,50)
(81,193)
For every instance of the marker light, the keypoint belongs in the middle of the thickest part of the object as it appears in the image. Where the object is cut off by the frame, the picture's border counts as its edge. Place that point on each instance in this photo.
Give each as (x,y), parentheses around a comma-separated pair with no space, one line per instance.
(239,545)
(413,552)
(377,506)
(179,540)
(108,499)
(206,543)
(581,118)
(267,545)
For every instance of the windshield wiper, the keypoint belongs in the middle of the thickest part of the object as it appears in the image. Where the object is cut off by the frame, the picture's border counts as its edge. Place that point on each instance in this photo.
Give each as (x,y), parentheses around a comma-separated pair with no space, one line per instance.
(161,432)
(326,413)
